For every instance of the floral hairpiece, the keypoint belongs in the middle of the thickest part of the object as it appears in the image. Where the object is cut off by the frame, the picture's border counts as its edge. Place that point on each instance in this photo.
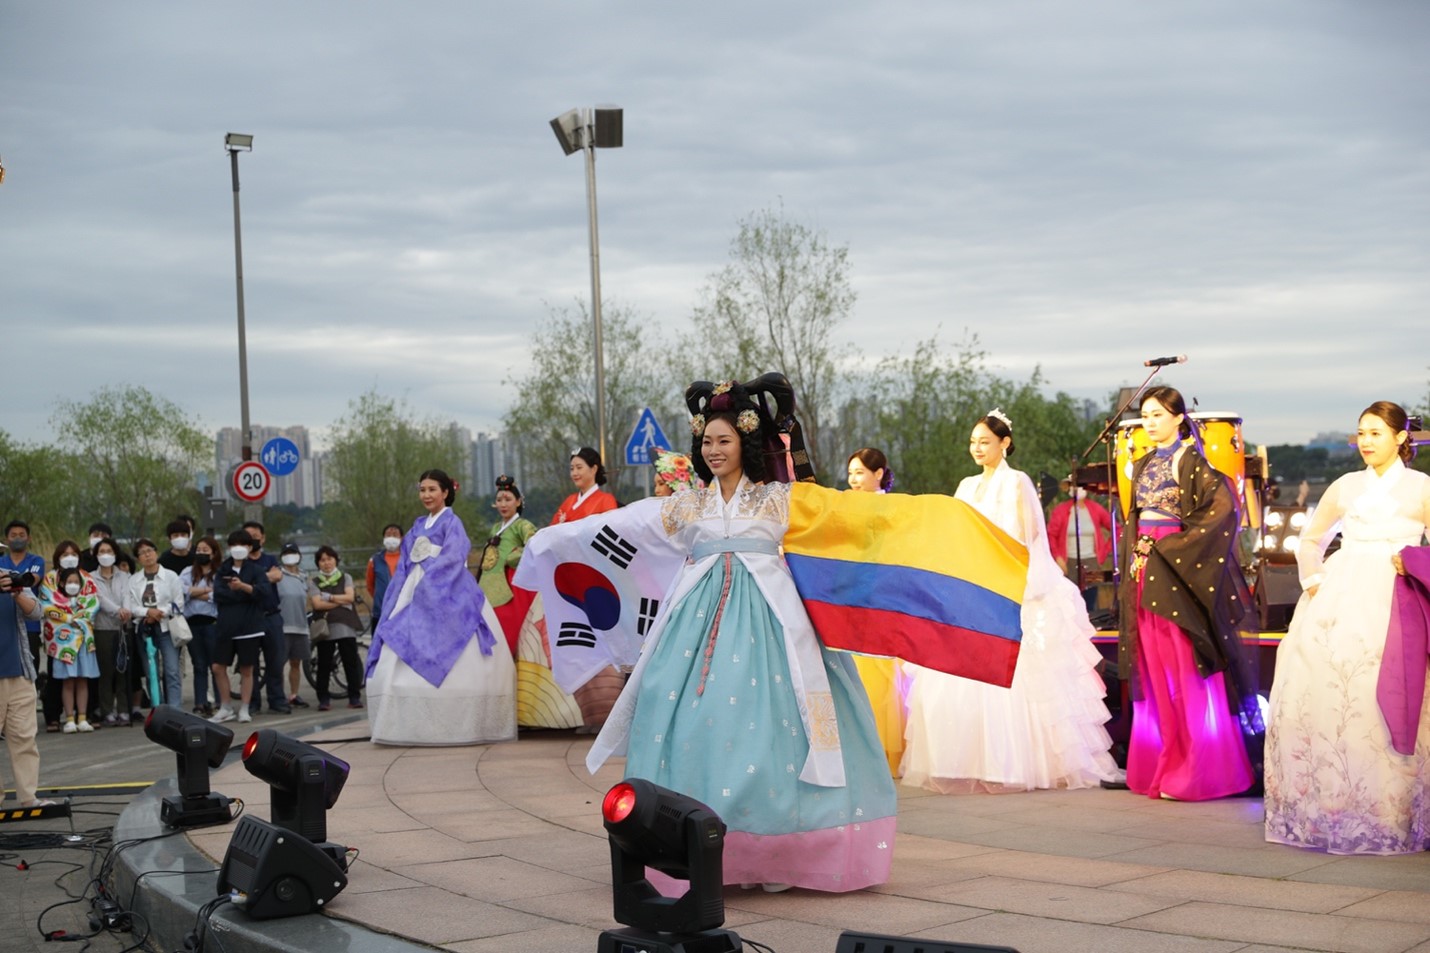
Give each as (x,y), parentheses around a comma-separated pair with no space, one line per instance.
(722,388)
(697,425)
(998,414)
(748,421)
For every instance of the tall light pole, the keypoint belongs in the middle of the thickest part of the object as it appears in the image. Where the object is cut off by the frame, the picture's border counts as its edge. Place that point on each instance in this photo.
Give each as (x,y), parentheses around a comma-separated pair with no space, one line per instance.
(236,142)
(601,127)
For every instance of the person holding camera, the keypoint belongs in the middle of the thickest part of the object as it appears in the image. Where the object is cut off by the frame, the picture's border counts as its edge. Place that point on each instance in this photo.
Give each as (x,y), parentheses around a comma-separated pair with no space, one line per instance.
(18,606)
(18,559)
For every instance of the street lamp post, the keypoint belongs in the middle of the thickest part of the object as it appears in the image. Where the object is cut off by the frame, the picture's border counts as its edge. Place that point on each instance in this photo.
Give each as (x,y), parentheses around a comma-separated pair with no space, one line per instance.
(601,127)
(234,143)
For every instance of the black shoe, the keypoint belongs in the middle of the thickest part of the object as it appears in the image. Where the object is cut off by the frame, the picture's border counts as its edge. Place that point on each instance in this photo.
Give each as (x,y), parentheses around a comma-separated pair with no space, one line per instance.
(297,702)
(280,709)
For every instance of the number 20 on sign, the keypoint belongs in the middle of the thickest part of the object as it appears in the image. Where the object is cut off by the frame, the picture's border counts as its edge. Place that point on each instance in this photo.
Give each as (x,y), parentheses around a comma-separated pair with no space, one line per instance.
(251,481)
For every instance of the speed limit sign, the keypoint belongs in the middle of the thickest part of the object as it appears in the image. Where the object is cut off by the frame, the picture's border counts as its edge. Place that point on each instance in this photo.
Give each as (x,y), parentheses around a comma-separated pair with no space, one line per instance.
(251,481)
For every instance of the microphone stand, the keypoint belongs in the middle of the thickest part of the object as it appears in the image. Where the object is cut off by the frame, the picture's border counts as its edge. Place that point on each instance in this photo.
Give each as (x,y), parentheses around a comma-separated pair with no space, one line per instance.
(1102,437)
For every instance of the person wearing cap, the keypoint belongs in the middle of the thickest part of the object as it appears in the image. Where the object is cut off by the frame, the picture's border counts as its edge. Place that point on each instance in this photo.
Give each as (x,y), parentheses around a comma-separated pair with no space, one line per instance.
(293,607)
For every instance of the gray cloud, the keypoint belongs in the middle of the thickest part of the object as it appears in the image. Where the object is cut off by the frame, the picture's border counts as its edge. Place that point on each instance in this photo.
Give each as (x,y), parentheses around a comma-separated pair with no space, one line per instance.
(1082,185)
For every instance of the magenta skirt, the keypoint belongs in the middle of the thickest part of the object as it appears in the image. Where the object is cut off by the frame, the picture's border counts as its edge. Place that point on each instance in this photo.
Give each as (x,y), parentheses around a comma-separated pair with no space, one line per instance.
(1186,741)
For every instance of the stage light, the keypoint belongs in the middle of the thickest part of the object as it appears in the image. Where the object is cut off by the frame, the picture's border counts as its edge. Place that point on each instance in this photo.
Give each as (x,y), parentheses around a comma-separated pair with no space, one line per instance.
(197,745)
(1274,519)
(287,867)
(304,782)
(651,826)
(1290,543)
(1299,520)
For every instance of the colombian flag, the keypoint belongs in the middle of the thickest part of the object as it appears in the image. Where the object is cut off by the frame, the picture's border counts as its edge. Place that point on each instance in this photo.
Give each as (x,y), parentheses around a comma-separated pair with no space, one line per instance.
(923,578)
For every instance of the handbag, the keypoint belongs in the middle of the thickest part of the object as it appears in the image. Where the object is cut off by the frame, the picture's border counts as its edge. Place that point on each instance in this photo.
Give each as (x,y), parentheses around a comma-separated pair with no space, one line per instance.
(318,629)
(179,632)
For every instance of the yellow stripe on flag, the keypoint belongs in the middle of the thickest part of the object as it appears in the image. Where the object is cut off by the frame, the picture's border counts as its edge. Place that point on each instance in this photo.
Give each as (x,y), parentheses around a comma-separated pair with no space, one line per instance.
(928,532)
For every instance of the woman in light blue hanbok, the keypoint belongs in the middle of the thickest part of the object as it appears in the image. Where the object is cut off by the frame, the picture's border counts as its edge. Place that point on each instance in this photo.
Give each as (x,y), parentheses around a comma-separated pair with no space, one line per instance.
(734,700)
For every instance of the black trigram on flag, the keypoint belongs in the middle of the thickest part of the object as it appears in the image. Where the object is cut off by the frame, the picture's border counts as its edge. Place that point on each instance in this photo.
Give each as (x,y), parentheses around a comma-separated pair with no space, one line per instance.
(609,544)
(577,634)
(649,607)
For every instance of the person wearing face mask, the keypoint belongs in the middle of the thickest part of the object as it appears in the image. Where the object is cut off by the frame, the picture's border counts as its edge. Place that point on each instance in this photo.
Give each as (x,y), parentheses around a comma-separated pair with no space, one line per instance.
(273,639)
(69,601)
(98,533)
(241,591)
(17,691)
(112,584)
(155,596)
(180,554)
(66,556)
(1081,541)
(18,558)
(293,606)
(380,567)
(197,581)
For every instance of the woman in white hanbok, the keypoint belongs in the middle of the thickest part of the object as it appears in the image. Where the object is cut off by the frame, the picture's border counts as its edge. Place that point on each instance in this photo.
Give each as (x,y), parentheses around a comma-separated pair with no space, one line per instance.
(1046,731)
(1333,779)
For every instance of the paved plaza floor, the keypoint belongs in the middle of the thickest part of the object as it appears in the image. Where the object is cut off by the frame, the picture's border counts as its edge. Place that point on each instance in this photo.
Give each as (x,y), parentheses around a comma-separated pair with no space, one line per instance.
(501,848)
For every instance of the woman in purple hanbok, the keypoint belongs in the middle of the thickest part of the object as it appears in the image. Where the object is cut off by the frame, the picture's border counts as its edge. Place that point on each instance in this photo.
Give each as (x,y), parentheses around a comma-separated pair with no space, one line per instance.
(436,674)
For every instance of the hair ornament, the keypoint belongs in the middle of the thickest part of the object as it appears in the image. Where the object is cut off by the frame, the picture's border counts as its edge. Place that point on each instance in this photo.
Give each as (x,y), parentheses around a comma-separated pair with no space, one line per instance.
(722,388)
(999,415)
(748,421)
(697,425)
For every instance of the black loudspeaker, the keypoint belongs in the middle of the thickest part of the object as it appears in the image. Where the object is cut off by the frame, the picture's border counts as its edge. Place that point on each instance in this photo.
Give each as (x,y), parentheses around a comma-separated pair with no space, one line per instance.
(274,872)
(1277,590)
(851,942)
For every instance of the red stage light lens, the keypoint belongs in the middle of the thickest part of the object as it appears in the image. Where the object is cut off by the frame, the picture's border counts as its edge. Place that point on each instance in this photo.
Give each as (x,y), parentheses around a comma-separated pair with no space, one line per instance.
(619,802)
(250,745)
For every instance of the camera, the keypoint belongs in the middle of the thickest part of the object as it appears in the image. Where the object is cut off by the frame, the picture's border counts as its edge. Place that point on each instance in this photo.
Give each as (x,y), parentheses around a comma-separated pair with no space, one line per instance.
(21,580)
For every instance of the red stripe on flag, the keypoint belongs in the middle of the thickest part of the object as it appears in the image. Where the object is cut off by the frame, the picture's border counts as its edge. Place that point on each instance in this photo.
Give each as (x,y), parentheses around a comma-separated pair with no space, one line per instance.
(947,648)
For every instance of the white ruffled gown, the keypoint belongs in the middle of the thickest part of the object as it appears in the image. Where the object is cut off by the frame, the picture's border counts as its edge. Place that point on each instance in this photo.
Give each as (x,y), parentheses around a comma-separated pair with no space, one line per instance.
(1047,730)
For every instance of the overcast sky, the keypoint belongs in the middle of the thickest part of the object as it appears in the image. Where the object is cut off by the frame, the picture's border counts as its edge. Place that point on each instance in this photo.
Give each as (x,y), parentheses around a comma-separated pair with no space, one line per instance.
(1083,185)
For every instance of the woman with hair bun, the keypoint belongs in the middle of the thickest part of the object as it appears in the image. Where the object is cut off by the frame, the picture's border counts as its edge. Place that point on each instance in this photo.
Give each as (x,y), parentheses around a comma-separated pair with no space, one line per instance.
(734,700)
(869,472)
(1183,597)
(436,674)
(1046,729)
(540,702)
(1341,776)
(589,475)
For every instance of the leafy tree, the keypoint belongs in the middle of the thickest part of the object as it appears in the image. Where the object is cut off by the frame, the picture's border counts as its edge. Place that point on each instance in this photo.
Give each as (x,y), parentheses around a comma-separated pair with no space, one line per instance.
(37,488)
(378,450)
(777,305)
(135,458)
(555,407)
(920,410)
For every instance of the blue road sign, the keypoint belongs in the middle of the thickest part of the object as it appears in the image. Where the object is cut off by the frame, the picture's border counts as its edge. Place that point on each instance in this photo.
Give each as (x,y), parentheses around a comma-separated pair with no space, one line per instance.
(279,456)
(646,437)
